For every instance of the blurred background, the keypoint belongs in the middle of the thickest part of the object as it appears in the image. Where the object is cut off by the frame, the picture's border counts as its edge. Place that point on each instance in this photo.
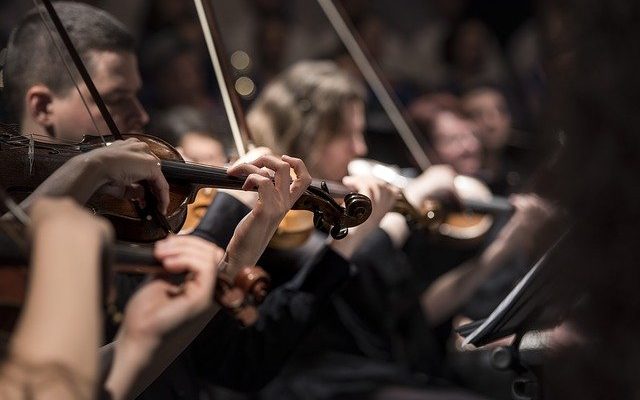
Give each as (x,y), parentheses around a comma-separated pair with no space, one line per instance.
(427,49)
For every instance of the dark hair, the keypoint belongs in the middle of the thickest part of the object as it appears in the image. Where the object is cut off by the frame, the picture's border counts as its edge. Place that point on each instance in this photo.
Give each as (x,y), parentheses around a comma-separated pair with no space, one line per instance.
(32,58)
(174,124)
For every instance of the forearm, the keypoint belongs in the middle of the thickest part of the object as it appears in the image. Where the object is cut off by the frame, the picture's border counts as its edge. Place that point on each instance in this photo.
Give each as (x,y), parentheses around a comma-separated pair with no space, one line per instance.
(61,320)
(135,364)
(453,289)
(78,178)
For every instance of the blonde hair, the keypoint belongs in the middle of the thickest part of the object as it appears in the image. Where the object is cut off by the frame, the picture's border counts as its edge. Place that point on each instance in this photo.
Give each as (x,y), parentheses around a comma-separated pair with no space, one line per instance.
(302,108)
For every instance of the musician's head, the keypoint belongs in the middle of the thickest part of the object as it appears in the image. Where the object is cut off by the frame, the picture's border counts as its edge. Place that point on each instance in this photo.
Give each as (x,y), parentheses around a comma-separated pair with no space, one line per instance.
(449,132)
(488,108)
(315,111)
(39,91)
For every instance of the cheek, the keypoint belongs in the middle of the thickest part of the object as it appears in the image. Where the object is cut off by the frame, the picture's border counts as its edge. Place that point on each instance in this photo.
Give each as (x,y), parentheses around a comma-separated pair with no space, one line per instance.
(333,161)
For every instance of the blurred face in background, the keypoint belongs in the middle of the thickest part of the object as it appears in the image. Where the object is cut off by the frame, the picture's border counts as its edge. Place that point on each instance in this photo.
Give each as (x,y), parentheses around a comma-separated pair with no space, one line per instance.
(489,111)
(455,143)
(203,149)
(331,160)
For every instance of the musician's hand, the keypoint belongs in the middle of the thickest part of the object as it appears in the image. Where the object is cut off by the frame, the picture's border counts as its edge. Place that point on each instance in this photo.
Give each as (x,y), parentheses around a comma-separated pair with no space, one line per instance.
(277,193)
(123,164)
(437,182)
(248,198)
(383,197)
(160,306)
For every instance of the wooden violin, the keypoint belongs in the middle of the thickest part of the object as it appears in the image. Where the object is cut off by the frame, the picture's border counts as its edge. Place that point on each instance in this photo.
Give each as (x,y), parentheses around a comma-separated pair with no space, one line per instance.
(461,223)
(239,296)
(26,163)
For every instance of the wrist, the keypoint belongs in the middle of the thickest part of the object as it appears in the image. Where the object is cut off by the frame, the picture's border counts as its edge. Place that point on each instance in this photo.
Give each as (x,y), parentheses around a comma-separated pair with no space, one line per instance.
(131,356)
(93,168)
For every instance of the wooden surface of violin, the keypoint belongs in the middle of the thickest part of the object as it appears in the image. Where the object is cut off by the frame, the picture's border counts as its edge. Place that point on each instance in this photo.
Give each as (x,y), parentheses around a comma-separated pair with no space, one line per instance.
(239,295)
(27,163)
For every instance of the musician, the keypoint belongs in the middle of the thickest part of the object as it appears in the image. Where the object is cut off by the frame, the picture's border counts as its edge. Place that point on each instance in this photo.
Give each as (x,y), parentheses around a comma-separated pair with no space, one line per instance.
(502,167)
(316,111)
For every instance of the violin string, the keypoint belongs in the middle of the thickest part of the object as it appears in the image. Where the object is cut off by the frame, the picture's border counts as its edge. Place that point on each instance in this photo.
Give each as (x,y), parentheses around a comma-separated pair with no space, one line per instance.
(67,67)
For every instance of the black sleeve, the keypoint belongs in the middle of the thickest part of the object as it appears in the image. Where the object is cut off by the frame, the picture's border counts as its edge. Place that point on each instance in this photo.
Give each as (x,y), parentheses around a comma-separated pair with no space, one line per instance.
(221,219)
(393,270)
(246,359)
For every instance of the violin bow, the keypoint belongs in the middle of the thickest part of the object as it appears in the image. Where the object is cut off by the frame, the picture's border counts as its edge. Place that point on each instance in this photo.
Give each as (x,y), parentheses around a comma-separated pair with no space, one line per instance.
(217,53)
(372,73)
(151,210)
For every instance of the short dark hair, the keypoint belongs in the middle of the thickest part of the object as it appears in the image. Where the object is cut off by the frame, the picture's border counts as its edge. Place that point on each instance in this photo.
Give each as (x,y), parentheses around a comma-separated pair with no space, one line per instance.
(32,58)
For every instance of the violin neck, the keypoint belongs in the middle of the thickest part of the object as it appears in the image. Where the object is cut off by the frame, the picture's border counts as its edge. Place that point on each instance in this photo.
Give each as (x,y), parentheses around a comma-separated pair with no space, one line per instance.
(336,190)
(200,175)
(497,205)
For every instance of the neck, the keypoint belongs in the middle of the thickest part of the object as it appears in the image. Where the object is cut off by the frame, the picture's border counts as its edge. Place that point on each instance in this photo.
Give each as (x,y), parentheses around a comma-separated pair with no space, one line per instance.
(30,127)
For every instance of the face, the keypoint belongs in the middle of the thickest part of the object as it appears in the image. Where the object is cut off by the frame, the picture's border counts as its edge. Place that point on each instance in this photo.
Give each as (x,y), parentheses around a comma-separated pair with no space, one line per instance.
(456,144)
(116,77)
(331,161)
(488,109)
(201,148)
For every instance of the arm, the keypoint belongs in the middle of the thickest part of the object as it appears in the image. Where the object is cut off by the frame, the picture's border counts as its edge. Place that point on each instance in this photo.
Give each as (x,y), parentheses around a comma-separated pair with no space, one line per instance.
(161,318)
(59,330)
(453,289)
(159,323)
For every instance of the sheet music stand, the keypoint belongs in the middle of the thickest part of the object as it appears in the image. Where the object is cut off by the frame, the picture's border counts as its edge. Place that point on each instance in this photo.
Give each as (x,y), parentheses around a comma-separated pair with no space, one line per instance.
(524,309)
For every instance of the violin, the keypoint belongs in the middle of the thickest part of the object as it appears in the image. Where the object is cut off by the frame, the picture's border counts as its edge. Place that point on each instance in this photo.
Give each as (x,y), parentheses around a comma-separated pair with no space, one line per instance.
(239,296)
(27,163)
(463,225)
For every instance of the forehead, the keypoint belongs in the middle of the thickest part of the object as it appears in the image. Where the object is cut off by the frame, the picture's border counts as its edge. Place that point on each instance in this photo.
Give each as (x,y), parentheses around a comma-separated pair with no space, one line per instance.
(447,122)
(483,98)
(115,71)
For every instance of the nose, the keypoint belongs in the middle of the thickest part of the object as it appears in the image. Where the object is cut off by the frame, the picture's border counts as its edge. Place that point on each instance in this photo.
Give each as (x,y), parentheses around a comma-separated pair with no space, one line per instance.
(139,117)
(471,144)
(359,145)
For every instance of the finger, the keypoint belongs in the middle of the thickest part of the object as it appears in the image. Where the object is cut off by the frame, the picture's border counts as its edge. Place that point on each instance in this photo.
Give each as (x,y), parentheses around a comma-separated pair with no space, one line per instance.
(282,171)
(246,169)
(176,244)
(303,178)
(264,186)
(133,192)
(159,188)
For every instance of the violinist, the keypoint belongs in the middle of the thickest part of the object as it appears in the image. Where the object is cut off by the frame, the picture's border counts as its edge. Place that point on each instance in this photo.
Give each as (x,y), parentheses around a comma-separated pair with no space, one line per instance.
(316,111)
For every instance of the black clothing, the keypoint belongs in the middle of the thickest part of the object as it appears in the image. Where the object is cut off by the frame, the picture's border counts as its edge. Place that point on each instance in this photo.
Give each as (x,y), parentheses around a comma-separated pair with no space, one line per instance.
(360,345)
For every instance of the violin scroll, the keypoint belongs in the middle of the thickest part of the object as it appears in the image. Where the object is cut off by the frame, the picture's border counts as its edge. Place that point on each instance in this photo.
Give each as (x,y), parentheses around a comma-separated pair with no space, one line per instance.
(242,297)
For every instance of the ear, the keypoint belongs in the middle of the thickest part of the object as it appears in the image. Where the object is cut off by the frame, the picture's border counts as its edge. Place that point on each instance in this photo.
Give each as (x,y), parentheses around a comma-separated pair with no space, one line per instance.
(38,108)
